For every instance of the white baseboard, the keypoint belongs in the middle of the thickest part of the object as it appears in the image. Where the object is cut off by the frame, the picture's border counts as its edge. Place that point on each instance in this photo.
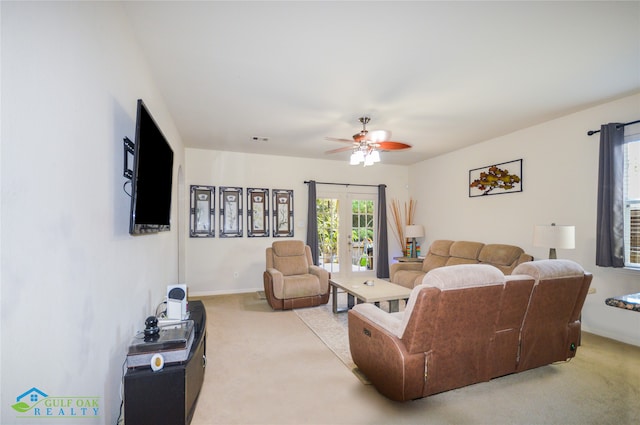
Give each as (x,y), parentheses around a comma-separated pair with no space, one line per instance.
(223,292)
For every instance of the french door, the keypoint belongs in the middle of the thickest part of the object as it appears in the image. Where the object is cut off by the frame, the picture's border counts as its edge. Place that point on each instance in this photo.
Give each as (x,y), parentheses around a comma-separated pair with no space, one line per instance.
(346,233)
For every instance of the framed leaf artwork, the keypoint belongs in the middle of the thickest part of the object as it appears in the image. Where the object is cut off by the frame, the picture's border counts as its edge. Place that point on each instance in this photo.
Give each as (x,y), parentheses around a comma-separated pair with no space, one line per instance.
(496,179)
(230,212)
(282,213)
(202,220)
(257,212)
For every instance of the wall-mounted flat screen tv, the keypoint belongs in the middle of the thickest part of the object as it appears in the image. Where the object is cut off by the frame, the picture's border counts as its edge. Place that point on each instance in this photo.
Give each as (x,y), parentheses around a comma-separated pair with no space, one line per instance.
(152,177)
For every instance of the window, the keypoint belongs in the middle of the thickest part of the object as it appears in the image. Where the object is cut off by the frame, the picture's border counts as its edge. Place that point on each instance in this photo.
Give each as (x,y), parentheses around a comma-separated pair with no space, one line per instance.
(632,201)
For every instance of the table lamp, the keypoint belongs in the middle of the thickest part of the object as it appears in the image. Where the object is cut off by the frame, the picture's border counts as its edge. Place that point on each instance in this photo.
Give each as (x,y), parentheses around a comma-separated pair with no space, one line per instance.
(552,237)
(414,231)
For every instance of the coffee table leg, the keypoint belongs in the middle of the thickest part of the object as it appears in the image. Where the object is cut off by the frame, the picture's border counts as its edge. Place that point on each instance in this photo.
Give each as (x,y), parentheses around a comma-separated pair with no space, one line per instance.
(350,301)
(334,299)
(394,306)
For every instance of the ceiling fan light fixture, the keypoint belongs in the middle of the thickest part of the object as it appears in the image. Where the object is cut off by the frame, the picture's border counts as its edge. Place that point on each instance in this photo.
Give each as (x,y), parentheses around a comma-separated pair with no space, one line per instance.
(366,145)
(368,160)
(356,157)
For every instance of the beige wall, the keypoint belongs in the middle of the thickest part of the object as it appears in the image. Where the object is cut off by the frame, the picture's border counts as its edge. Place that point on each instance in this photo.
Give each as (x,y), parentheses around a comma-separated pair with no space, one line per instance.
(76,287)
(560,172)
(224,265)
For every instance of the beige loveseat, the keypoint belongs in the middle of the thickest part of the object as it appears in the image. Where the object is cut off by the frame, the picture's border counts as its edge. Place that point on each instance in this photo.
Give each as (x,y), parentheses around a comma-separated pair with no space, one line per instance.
(449,253)
(471,323)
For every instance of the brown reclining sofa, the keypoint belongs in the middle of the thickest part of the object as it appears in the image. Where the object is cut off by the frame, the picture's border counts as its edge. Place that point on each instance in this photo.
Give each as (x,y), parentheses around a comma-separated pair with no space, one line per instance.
(466,324)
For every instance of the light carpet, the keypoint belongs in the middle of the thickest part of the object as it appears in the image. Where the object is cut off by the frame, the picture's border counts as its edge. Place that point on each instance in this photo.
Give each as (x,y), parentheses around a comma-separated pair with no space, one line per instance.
(260,359)
(332,329)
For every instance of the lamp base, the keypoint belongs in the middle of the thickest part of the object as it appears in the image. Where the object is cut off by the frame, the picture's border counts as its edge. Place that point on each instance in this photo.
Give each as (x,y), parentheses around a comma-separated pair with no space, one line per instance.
(552,254)
(414,254)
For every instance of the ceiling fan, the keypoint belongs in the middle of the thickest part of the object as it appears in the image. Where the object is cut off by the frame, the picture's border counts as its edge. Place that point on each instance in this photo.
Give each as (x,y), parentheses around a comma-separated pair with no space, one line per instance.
(366,145)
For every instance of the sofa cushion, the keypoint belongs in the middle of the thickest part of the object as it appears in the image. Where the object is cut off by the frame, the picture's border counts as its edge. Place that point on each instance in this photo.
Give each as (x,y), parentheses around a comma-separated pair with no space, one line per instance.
(303,285)
(292,265)
(287,248)
(500,254)
(437,255)
(454,261)
(440,247)
(466,249)
(433,261)
(463,276)
(407,278)
(290,257)
(549,269)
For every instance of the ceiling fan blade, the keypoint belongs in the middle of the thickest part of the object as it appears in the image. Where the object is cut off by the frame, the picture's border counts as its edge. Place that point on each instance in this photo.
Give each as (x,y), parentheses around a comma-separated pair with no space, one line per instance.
(334,139)
(392,146)
(340,150)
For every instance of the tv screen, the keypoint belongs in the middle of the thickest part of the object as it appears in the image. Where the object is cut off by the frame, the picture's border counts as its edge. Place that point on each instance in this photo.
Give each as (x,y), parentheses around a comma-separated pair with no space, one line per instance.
(152,177)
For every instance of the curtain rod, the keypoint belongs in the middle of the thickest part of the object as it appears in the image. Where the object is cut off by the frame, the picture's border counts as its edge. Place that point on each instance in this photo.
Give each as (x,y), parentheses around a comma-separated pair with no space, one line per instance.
(592,132)
(344,184)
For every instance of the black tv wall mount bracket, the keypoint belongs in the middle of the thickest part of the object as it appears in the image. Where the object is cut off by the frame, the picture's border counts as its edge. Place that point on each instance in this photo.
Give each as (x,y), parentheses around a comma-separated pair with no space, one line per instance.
(128,151)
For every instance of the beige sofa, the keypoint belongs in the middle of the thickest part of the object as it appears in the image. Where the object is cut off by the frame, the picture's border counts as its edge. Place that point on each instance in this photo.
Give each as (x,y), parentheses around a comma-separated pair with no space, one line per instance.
(470,323)
(449,253)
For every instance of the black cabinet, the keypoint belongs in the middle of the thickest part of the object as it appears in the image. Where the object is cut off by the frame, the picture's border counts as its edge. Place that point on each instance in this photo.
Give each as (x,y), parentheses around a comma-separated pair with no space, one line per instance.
(168,396)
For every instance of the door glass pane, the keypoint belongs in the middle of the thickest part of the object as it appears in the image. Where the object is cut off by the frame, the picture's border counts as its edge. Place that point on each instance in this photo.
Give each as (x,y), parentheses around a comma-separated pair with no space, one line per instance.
(362,235)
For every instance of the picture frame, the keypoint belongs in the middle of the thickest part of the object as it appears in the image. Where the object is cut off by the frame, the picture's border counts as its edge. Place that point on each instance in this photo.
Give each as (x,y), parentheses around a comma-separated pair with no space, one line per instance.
(257,212)
(202,212)
(282,213)
(230,212)
(496,179)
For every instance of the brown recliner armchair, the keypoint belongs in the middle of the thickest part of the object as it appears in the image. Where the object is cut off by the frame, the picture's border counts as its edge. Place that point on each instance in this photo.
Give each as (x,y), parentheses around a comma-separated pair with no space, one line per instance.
(291,280)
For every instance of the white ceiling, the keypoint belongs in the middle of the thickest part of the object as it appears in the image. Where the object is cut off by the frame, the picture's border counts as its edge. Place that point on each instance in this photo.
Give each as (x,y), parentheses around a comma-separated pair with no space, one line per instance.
(439,75)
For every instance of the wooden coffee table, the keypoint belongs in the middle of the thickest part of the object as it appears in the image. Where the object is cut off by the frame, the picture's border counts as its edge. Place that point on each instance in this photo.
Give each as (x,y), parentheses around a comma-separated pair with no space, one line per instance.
(356,289)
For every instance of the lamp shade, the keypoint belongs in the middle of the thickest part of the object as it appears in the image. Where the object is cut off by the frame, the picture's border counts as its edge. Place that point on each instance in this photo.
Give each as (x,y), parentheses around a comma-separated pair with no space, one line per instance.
(552,236)
(414,231)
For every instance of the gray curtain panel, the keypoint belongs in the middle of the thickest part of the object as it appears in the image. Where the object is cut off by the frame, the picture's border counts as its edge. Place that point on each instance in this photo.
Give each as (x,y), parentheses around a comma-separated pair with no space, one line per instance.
(382,268)
(312,223)
(610,218)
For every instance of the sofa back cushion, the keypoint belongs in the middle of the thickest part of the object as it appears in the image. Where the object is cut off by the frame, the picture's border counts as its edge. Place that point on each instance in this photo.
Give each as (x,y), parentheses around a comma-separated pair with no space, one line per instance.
(463,276)
(444,279)
(440,247)
(500,254)
(464,252)
(550,329)
(437,256)
(452,320)
(290,257)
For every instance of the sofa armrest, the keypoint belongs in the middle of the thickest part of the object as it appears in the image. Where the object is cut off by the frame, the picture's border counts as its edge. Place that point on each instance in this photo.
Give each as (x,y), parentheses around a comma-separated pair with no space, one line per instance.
(395,267)
(389,322)
(382,357)
(323,276)
(275,279)
(524,258)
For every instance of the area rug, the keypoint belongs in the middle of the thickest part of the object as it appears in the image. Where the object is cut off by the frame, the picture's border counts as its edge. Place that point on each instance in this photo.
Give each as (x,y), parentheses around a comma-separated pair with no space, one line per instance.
(332,329)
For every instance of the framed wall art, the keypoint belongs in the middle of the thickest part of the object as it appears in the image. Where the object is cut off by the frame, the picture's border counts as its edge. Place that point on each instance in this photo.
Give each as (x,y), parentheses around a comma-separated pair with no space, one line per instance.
(282,213)
(496,179)
(257,212)
(230,212)
(202,221)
